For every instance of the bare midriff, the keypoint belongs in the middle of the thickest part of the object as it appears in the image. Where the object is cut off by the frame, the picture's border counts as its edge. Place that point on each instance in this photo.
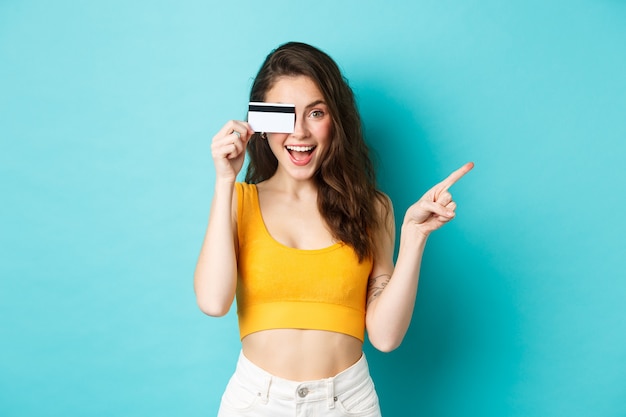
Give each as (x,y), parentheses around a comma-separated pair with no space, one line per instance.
(302,355)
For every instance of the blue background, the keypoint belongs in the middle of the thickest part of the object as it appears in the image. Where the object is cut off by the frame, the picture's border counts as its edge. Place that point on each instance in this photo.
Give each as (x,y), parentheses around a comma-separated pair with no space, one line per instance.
(107,110)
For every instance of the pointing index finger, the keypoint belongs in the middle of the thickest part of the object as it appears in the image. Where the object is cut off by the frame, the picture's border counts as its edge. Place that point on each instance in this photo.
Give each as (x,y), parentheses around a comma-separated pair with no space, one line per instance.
(456,175)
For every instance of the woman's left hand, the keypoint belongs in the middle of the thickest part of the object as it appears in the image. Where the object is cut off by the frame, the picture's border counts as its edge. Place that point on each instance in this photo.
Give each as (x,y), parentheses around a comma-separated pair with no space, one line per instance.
(436,207)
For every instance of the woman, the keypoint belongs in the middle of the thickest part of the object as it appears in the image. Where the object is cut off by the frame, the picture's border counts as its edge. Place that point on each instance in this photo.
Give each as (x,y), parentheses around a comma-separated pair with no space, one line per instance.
(306,244)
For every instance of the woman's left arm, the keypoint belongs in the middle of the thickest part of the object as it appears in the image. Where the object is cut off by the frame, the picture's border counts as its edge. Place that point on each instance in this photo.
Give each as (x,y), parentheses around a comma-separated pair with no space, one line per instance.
(392,290)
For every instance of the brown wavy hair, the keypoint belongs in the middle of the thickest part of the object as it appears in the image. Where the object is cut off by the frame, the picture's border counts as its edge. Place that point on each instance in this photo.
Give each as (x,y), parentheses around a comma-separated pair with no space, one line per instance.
(346,179)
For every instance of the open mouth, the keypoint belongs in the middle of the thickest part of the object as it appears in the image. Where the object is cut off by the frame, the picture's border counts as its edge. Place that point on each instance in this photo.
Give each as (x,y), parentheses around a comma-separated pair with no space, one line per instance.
(300,155)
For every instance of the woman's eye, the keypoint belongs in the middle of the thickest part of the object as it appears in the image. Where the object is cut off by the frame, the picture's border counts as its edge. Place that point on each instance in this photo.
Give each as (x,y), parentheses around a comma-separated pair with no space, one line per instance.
(317,113)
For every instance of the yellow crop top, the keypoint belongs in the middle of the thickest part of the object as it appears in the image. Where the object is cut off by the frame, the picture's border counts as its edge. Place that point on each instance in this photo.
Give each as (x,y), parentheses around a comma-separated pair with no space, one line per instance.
(281,287)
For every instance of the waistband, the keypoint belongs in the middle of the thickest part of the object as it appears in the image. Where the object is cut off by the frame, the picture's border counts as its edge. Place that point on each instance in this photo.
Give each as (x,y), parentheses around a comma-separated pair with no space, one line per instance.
(268,385)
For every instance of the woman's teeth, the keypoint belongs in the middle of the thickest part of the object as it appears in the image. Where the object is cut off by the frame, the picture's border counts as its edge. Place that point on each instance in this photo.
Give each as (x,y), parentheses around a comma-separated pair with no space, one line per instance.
(300,148)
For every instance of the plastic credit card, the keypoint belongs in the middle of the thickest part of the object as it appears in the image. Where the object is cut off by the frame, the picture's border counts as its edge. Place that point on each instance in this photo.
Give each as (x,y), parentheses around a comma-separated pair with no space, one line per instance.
(272,117)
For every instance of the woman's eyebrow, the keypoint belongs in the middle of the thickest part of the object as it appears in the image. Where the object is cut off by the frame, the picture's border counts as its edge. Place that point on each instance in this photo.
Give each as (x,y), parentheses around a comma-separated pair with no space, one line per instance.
(315,103)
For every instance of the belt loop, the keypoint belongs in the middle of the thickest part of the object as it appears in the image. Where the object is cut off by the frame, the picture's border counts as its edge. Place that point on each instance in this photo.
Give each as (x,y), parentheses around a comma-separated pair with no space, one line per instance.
(330,393)
(265,390)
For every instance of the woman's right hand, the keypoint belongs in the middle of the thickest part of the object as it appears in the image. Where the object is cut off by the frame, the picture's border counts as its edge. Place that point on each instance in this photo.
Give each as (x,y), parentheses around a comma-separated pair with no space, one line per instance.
(229,149)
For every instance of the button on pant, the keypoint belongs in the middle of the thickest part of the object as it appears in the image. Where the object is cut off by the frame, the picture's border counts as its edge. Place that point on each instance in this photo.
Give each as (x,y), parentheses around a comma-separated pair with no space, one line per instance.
(254,392)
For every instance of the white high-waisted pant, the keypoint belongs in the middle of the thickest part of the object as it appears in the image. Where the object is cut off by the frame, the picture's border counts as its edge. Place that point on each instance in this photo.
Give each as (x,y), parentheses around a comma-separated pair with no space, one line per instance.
(254,392)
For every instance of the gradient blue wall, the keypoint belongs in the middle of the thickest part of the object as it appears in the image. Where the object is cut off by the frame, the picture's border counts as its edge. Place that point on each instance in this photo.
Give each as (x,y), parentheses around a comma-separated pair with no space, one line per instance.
(107,110)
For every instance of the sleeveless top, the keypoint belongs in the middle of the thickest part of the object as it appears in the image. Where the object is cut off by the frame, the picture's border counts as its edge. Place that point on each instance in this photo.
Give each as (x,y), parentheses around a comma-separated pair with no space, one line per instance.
(281,287)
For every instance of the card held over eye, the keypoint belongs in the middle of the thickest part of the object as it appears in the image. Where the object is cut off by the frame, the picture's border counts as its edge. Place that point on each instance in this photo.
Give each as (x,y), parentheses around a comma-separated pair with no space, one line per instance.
(272,117)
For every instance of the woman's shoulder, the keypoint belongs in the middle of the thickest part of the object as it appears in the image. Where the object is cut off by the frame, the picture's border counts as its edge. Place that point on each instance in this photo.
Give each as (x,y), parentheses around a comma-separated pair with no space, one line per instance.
(383,203)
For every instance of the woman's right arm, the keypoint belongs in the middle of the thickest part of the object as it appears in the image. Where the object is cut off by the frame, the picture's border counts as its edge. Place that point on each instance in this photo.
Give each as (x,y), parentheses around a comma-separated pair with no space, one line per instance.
(215,278)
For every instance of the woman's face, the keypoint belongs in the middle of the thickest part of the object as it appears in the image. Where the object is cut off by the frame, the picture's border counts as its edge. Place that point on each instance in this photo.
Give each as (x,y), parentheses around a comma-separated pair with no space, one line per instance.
(300,153)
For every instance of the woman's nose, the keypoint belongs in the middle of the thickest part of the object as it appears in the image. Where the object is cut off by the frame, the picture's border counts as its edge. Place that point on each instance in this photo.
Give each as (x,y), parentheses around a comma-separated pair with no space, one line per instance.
(300,128)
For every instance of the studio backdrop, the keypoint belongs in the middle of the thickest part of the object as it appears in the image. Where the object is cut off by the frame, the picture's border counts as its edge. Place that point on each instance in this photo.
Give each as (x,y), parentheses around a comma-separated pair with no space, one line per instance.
(107,110)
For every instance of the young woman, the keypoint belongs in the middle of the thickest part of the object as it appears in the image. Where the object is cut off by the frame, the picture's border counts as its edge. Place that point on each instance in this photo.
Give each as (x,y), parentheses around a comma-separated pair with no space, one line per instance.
(306,244)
